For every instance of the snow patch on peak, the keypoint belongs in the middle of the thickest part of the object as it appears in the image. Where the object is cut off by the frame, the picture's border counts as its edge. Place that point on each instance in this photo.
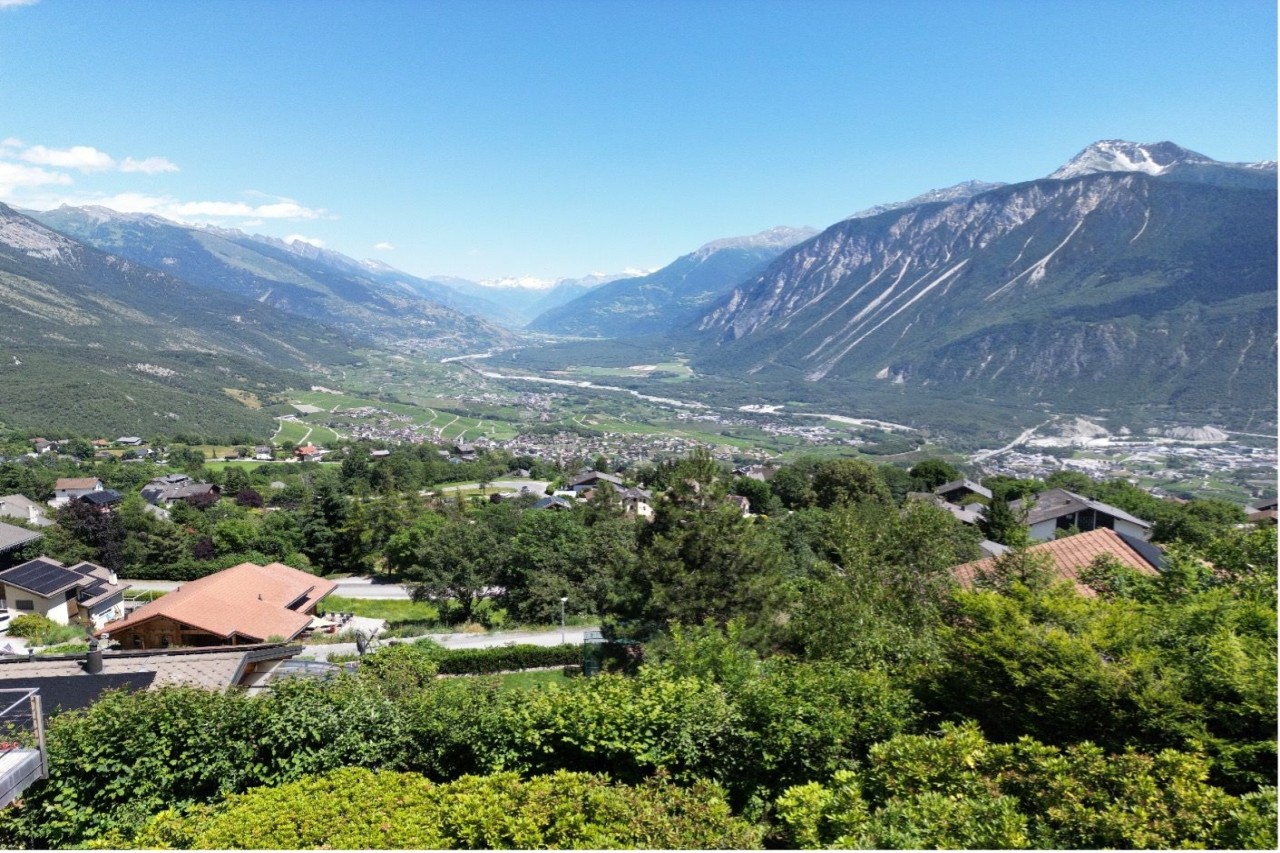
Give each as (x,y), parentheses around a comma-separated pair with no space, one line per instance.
(1117,155)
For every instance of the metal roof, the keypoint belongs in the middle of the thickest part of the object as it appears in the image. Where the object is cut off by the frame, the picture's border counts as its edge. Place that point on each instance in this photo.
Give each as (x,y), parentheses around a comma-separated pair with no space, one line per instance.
(13,537)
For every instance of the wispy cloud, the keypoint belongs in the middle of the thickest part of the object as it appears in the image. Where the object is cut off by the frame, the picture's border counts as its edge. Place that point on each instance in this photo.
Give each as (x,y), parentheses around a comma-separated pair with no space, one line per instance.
(383,247)
(13,4)
(148,166)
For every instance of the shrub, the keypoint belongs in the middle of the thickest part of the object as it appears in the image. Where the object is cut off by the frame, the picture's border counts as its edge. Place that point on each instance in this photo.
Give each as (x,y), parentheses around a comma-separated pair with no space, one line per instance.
(357,809)
(30,626)
(43,631)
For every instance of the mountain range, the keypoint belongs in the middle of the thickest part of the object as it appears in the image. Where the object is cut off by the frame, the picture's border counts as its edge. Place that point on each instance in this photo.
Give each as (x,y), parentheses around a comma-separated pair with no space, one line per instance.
(1136,276)
(1133,275)
(364,299)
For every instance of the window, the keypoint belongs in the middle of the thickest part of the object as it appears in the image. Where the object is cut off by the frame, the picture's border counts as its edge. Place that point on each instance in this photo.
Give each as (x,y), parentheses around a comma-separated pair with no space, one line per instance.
(25,604)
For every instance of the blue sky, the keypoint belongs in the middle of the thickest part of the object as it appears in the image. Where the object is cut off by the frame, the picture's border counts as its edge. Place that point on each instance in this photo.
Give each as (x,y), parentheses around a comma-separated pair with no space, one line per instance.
(549,139)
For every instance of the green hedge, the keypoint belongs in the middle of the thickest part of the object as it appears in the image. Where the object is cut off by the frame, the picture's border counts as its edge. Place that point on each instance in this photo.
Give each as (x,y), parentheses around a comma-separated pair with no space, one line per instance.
(501,659)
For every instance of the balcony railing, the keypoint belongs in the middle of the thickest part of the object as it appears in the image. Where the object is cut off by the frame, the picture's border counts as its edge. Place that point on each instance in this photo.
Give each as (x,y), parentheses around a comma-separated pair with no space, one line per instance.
(24,757)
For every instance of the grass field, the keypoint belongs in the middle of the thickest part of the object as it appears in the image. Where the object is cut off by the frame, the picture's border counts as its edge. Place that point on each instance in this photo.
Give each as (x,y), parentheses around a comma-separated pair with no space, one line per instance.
(294,431)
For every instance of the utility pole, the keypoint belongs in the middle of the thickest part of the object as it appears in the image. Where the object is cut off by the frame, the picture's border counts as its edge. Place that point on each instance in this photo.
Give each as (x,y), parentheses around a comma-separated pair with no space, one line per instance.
(563,599)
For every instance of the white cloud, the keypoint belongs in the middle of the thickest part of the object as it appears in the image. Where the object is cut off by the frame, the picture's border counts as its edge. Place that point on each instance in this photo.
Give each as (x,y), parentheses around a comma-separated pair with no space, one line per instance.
(17,175)
(13,4)
(86,158)
(148,166)
(384,246)
(231,209)
(310,241)
(11,142)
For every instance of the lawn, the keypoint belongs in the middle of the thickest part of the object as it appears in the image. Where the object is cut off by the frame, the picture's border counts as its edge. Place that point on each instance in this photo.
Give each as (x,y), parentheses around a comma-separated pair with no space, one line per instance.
(392,610)
(533,678)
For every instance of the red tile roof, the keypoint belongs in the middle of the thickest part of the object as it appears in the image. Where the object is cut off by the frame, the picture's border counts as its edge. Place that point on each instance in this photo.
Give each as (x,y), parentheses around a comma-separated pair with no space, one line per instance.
(1069,555)
(249,600)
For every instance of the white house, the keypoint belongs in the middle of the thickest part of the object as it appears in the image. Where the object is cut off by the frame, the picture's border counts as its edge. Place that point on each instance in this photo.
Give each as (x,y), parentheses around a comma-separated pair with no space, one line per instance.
(1059,509)
(85,592)
(67,489)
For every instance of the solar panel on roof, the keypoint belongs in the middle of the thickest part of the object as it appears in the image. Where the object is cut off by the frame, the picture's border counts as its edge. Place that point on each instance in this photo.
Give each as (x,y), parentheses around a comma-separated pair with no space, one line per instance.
(41,577)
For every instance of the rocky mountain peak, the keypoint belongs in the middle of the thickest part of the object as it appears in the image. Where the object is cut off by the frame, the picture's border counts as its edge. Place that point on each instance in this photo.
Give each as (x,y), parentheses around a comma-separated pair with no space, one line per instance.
(779,237)
(958,192)
(1117,155)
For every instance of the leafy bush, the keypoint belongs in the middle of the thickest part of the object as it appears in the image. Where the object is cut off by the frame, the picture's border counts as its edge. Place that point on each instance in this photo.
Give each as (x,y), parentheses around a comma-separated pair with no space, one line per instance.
(43,631)
(957,790)
(31,625)
(356,809)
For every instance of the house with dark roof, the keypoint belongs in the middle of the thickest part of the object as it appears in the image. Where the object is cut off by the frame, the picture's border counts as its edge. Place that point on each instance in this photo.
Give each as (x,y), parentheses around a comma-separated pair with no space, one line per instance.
(590,479)
(104,501)
(247,603)
(171,488)
(957,491)
(1059,509)
(553,502)
(1071,554)
(85,593)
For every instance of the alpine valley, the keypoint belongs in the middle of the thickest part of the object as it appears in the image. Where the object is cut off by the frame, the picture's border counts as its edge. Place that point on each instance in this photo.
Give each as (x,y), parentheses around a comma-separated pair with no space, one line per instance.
(1136,285)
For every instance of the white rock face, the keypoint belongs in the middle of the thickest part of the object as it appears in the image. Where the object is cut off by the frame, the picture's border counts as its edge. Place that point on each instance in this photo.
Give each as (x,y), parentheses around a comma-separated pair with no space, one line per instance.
(33,240)
(1204,433)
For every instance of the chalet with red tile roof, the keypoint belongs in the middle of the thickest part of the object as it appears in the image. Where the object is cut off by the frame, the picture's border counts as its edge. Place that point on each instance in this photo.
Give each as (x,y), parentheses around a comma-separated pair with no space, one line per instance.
(1072,554)
(247,603)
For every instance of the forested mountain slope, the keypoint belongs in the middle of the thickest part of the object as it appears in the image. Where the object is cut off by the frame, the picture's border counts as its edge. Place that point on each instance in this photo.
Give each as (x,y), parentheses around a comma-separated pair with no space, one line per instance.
(96,344)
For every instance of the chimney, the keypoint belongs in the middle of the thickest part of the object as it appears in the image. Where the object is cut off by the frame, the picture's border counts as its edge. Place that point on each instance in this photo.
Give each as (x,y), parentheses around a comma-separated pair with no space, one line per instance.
(93,662)
(111,578)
